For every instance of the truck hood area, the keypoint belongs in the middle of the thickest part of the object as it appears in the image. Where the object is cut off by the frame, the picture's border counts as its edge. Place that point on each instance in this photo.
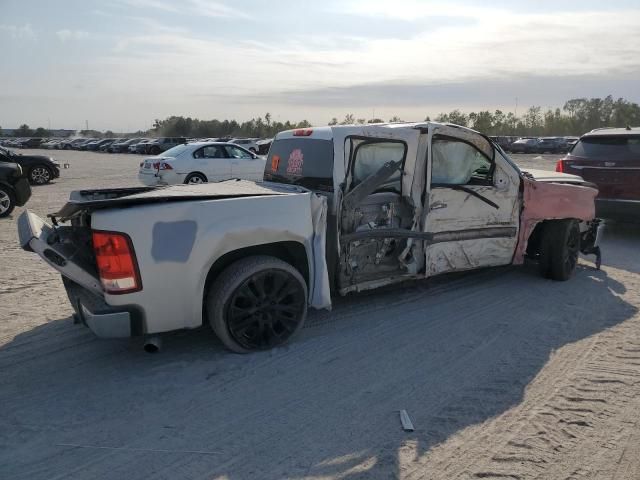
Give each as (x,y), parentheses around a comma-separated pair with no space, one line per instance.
(547,176)
(90,200)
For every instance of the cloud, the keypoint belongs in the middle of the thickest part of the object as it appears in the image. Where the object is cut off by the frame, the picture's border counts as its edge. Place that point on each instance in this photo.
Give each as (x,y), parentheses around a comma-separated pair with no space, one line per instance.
(24,32)
(65,35)
(491,49)
(543,90)
(204,8)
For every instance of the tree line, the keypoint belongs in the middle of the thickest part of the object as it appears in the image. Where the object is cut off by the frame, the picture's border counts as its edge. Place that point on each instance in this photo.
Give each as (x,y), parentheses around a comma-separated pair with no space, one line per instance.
(577,116)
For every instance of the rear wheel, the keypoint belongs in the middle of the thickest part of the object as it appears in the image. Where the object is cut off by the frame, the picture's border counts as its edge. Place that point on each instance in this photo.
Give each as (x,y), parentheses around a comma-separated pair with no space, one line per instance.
(39,175)
(154,150)
(257,303)
(7,201)
(195,178)
(559,249)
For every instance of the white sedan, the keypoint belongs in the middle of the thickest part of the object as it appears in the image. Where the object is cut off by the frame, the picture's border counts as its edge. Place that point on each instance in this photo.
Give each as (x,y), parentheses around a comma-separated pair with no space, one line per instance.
(201,162)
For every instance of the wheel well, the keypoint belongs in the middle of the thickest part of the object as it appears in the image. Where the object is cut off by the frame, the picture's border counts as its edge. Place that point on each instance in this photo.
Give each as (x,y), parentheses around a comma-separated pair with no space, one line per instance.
(196,173)
(535,238)
(7,187)
(291,252)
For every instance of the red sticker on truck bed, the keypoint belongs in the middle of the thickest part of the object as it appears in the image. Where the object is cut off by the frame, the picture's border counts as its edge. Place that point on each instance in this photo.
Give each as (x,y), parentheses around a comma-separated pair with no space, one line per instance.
(294,165)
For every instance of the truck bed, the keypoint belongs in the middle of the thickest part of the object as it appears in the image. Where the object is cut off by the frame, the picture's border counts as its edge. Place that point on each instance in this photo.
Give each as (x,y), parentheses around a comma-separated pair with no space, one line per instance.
(83,200)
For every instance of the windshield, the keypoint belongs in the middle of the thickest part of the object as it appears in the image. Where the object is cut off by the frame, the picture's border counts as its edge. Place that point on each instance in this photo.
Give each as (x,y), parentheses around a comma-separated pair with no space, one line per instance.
(175,151)
(614,147)
(301,161)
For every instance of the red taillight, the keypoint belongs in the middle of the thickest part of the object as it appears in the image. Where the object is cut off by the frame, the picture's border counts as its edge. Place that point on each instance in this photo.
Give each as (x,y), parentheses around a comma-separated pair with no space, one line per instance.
(116,261)
(162,166)
(560,166)
(303,132)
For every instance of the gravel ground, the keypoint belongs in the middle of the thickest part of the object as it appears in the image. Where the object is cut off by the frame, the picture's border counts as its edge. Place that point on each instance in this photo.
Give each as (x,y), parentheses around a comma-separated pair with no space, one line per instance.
(505,375)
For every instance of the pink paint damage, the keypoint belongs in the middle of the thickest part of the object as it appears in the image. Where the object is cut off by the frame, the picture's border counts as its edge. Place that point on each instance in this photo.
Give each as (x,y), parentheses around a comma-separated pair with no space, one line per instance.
(549,201)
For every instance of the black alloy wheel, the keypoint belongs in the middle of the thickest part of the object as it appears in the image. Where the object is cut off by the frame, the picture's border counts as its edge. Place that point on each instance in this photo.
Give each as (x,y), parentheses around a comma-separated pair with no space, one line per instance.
(264,311)
(257,303)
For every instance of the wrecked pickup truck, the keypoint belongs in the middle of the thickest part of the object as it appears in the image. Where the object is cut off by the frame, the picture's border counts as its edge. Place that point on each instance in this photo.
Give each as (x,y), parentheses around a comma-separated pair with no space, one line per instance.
(342,209)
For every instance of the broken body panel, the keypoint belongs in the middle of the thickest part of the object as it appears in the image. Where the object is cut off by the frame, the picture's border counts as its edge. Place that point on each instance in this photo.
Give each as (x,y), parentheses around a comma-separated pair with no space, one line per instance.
(404,201)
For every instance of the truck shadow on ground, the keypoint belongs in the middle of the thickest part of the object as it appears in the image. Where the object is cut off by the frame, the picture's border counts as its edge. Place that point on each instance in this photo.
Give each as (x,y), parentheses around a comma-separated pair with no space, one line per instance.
(453,352)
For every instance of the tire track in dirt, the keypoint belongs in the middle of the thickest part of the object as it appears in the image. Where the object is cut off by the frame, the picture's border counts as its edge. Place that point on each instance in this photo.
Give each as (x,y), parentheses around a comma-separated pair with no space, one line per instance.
(590,389)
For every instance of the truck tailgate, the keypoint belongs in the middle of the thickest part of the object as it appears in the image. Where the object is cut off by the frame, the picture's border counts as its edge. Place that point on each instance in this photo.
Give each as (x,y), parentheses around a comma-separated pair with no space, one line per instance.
(38,236)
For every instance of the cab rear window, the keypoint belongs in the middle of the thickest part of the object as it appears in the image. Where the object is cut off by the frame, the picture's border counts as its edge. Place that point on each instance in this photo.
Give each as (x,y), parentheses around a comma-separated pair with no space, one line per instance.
(301,161)
(614,147)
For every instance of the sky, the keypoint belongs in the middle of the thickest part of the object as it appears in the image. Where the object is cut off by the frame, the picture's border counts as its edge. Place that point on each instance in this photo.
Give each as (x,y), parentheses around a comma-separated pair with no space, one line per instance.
(120,64)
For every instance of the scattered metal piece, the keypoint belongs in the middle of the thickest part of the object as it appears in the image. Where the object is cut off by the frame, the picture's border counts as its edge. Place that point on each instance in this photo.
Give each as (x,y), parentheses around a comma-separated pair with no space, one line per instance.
(407,426)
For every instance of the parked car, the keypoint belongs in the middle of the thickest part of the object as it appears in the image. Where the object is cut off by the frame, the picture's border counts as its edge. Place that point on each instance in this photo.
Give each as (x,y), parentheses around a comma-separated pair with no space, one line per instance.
(524,145)
(551,145)
(37,168)
(30,143)
(504,141)
(610,158)
(95,146)
(264,145)
(122,146)
(105,146)
(162,144)
(248,143)
(570,142)
(141,147)
(14,187)
(201,162)
(354,208)
(50,144)
(82,143)
(72,143)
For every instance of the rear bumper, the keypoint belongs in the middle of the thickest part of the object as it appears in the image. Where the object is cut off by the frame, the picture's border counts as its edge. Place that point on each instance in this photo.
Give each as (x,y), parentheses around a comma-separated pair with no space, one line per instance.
(83,288)
(149,179)
(102,319)
(618,209)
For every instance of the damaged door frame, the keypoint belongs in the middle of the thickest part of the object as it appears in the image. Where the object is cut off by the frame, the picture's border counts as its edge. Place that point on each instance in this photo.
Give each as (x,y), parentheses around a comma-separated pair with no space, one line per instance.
(483,233)
(347,201)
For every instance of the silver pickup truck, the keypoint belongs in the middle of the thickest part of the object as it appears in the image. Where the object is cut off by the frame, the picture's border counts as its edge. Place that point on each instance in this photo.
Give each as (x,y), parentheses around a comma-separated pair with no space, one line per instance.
(342,209)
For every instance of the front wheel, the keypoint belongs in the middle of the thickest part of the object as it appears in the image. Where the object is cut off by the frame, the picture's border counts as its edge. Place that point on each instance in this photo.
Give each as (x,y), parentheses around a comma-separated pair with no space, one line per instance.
(40,175)
(257,303)
(195,178)
(559,249)
(7,201)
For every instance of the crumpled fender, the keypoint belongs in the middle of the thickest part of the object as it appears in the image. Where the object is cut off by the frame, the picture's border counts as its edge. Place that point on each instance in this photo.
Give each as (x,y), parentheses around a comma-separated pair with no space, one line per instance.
(551,201)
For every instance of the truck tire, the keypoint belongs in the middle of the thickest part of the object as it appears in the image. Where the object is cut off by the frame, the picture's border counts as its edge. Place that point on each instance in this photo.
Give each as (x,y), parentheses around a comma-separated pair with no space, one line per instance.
(257,303)
(559,249)
(7,201)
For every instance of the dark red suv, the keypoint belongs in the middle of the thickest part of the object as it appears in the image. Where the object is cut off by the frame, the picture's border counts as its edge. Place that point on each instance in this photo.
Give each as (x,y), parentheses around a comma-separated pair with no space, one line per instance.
(610,158)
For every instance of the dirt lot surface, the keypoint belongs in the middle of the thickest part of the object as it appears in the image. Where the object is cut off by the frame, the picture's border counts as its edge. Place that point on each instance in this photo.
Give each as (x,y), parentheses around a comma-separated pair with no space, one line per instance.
(505,375)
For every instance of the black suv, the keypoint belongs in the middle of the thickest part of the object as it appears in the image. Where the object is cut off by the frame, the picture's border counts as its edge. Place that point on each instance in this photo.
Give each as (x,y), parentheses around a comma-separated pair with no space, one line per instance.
(14,188)
(163,144)
(38,168)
